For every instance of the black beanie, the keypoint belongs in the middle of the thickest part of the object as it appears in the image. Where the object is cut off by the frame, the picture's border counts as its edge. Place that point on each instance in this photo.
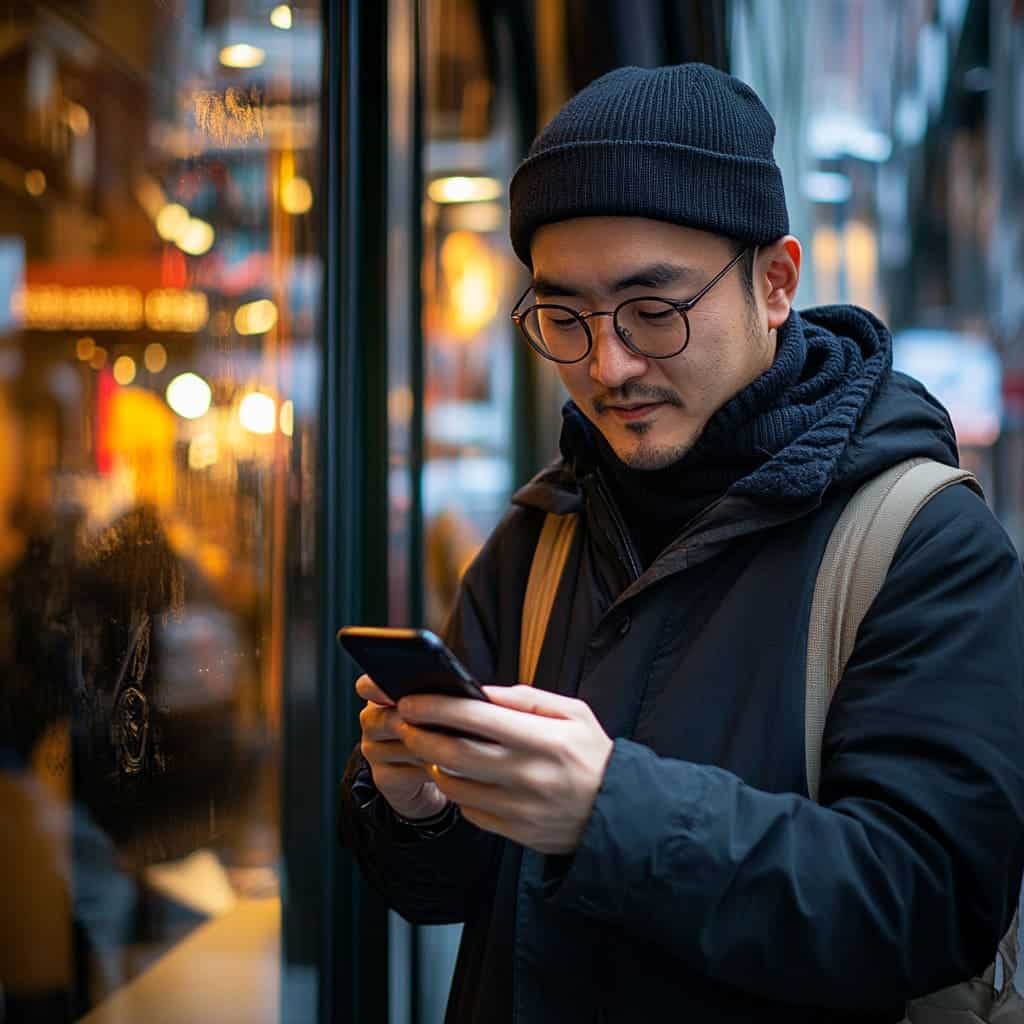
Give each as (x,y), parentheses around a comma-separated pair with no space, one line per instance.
(687,144)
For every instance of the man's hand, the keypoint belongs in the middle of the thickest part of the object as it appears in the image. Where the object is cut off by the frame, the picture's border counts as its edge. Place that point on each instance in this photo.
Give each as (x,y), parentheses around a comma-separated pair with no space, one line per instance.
(535,782)
(399,775)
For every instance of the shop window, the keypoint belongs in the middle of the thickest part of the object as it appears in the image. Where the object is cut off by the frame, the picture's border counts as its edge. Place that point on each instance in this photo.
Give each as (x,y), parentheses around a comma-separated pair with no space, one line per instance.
(158,393)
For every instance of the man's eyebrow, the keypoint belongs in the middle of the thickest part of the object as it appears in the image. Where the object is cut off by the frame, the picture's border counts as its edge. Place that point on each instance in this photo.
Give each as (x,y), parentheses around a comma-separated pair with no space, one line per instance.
(654,275)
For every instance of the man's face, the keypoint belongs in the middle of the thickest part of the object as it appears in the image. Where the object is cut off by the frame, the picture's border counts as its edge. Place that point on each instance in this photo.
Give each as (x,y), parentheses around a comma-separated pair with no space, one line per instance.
(651,411)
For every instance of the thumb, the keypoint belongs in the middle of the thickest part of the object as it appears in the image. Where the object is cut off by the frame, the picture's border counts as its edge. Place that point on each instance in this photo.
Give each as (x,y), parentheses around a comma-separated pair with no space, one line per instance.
(533,702)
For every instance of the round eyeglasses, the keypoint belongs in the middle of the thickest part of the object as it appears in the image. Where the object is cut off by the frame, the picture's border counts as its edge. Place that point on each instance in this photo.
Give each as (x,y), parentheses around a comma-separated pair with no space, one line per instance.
(649,325)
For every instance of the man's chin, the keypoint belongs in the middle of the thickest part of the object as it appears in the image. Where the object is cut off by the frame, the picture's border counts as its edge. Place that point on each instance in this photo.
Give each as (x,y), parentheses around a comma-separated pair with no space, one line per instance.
(646,453)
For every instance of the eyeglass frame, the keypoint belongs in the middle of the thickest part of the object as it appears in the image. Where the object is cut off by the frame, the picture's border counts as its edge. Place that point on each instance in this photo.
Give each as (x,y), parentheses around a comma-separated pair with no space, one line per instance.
(681,306)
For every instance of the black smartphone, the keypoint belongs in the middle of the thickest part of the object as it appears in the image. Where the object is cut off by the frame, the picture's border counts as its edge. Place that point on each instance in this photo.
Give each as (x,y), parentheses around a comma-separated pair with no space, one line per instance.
(406,661)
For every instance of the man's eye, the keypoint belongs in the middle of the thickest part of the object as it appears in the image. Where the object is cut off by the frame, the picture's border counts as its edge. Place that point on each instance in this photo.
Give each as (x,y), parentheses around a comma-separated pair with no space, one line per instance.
(655,316)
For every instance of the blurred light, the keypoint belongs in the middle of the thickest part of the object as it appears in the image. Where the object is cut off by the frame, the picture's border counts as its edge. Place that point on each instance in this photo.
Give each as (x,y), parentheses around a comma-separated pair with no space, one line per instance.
(53,307)
(911,119)
(281,16)
(35,183)
(258,413)
(479,217)
(827,187)
(242,55)
(255,317)
(464,190)
(834,135)
(85,348)
(155,357)
(99,358)
(861,262)
(171,221)
(124,370)
(176,309)
(296,196)
(189,395)
(196,238)
(287,418)
(826,256)
(472,280)
(401,405)
(78,119)
(202,451)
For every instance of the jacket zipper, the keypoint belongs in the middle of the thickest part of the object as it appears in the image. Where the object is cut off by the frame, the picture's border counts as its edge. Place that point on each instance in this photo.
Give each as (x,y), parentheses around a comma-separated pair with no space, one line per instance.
(632,561)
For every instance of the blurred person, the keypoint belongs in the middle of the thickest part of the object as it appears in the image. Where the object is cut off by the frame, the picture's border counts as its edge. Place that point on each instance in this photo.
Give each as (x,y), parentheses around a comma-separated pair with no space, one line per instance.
(637,838)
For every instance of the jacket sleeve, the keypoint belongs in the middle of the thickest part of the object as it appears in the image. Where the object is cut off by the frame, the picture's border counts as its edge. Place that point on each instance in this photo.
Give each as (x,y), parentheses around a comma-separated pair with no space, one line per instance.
(904,878)
(439,878)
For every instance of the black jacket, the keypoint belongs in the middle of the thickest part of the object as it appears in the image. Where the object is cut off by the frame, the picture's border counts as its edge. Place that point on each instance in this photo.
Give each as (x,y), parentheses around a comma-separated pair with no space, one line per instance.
(707,886)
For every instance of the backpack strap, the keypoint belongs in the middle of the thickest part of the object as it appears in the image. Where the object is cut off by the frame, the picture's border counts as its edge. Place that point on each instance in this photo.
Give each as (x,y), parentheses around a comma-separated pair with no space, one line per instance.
(853,569)
(549,558)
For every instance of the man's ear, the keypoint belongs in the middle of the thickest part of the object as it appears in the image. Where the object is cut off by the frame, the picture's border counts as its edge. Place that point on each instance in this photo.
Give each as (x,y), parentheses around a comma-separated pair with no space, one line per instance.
(776,274)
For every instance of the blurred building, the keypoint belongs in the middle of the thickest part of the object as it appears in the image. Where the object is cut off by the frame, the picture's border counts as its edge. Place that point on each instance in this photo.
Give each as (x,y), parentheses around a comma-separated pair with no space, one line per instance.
(258,380)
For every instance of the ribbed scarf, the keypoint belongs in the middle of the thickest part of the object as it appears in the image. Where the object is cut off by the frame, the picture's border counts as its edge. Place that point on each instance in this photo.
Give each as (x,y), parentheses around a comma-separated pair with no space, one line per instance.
(778,440)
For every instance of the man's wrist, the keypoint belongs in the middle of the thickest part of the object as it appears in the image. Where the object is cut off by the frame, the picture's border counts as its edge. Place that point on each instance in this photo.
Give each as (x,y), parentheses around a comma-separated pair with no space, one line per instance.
(430,827)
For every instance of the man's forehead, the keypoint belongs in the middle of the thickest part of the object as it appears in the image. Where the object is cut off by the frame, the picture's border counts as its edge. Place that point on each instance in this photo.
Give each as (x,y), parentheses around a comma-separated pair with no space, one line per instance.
(567,278)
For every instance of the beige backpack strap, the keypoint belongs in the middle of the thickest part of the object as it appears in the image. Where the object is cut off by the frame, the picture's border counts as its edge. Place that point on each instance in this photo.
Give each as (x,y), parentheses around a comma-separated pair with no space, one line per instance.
(549,559)
(852,572)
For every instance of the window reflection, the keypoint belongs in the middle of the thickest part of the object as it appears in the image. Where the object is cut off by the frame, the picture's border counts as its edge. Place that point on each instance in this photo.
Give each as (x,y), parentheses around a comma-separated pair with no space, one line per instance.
(158,376)
(467,274)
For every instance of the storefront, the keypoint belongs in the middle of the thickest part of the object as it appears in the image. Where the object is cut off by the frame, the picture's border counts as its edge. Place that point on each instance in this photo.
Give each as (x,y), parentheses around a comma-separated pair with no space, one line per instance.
(257,380)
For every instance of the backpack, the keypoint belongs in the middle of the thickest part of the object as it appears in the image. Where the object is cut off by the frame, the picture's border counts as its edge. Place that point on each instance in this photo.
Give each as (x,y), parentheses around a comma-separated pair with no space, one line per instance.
(853,569)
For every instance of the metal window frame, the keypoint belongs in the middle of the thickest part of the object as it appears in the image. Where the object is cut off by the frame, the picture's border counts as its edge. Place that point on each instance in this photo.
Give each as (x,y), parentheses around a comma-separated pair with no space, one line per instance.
(353,939)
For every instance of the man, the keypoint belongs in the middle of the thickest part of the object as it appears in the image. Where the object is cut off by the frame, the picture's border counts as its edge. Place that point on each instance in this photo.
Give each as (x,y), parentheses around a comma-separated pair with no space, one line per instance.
(636,842)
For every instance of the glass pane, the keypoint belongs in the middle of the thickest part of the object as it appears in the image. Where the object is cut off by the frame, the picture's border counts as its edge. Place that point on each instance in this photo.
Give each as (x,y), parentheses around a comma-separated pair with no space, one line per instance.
(468,280)
(158,391)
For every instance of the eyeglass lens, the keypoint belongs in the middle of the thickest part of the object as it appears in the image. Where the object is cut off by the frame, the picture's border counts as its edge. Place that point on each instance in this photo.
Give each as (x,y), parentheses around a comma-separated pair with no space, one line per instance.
(652,327)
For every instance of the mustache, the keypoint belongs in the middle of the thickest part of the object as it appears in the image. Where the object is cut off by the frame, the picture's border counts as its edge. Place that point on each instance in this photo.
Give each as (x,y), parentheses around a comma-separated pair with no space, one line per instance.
(635,394)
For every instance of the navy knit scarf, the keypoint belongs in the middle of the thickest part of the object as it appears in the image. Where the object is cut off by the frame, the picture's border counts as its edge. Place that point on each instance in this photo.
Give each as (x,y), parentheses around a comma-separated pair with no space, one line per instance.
(779,440)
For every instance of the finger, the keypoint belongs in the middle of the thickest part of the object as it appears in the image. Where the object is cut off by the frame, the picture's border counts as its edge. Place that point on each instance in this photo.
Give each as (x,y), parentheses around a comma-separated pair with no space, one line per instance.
(486,762)
(532,701)
(506,726)
(379,723)
(369,690)
(468,757)
(482,796)
(389,752)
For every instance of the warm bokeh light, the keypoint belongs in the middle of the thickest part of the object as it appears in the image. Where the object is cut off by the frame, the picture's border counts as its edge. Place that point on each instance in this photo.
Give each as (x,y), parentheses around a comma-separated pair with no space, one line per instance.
(155,357)
(287,418)
(99,358)
(177,309)
(197,237)
(171,221)
(473,279)
(203,451)
(35,183)
(464,190)
(242,55)
(85,348)
(189,395)
(296,196)
(281,16)
(255,317)
(78,119)
(124,370)
(258,413)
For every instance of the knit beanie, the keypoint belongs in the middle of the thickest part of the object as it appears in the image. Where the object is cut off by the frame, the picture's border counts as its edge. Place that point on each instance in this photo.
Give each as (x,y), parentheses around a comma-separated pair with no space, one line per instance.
(687,144)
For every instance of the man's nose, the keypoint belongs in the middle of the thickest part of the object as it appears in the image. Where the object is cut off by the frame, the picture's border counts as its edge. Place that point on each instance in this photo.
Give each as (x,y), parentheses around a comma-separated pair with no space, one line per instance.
(611,362)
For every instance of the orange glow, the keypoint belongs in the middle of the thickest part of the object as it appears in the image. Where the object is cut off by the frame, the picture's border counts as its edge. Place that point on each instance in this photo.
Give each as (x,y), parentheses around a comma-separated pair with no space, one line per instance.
(124,370)
(242,55)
